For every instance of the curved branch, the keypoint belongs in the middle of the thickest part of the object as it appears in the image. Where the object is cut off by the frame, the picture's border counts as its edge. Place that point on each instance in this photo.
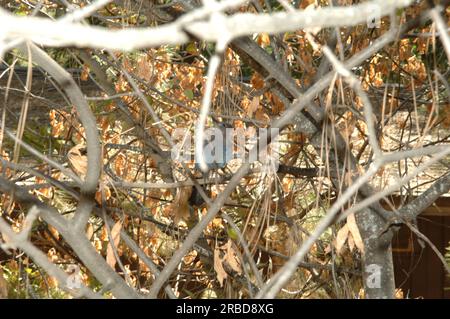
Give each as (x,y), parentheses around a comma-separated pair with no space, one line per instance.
(49,33)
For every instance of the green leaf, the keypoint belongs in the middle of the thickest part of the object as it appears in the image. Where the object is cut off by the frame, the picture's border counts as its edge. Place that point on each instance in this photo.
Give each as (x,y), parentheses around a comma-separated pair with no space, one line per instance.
(191,48)
(232,234)
(189,94)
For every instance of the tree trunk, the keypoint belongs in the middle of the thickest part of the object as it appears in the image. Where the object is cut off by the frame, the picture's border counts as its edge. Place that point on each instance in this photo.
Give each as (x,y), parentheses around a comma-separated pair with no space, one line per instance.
(378,269)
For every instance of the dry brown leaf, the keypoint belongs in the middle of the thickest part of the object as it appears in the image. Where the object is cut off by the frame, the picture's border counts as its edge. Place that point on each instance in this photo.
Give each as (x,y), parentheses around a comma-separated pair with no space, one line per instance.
(85,73)
(341,238)
(399,293)
(190,257)
(353,228)
(277,104)
(119,165)
(78,159)
(305,3)
(218,266)
(104,235)
(54,232)
(231,257)
(351,242)
(263,40)
(115,234)
(257,81)
(144,69)
(225,257)
(52,282)
(104,194)
(287,184)
(253,106)
(262,116)
(180,206)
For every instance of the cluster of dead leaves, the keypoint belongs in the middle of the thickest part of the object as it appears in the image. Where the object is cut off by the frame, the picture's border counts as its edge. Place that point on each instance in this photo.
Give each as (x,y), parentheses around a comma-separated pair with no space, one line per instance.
(66,125)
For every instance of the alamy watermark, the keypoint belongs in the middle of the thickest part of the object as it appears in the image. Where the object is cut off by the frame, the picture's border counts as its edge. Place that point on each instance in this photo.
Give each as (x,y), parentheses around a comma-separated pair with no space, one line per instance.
(74,279)
(373,280)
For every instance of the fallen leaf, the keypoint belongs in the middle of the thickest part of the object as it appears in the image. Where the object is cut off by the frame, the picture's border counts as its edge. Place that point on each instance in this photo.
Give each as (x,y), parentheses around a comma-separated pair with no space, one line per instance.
(341,238)
(115,234)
